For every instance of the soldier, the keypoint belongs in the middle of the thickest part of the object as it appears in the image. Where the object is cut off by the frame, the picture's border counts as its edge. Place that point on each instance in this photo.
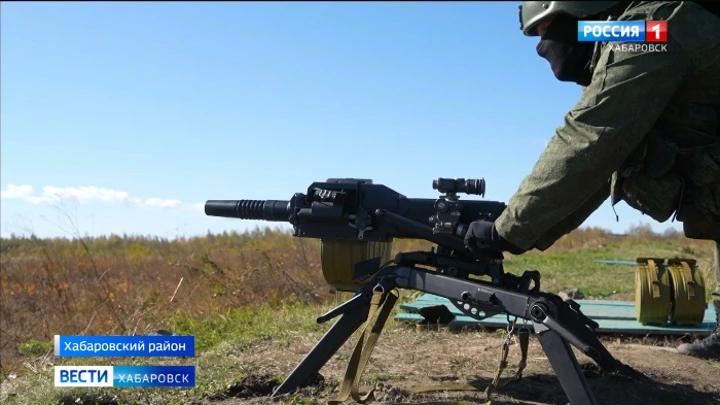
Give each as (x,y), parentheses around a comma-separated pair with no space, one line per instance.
(646,131)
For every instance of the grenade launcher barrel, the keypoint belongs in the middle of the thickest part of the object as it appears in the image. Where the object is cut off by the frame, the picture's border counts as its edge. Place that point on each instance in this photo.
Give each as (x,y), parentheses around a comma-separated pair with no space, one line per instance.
(358,209)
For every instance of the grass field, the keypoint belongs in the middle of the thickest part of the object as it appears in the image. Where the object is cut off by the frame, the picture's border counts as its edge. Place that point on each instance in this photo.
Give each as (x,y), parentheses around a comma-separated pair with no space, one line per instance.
(233,292)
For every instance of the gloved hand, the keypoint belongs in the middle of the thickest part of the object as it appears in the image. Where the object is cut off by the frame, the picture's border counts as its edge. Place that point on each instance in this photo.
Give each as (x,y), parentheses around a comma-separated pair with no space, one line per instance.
(482,235)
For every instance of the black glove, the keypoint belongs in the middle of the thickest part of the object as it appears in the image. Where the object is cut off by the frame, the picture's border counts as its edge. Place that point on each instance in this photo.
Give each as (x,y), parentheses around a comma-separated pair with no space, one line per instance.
(482,235)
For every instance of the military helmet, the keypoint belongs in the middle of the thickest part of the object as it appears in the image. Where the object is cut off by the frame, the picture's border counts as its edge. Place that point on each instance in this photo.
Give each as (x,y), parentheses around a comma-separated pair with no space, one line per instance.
(531,12)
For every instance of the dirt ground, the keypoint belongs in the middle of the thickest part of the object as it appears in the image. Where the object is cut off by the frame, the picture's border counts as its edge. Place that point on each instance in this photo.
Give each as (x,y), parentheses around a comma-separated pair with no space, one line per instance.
(407,358)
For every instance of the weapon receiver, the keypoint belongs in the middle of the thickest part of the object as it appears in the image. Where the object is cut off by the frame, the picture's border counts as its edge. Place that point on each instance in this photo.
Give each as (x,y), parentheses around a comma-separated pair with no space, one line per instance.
(354,209)
(357,220)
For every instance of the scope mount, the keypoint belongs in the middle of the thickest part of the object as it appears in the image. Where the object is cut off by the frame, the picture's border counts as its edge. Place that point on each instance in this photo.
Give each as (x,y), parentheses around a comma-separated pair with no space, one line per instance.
(448,205)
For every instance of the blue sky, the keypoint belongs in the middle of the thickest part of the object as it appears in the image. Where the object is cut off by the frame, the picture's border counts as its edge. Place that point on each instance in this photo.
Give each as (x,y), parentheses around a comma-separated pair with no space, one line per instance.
(125,117)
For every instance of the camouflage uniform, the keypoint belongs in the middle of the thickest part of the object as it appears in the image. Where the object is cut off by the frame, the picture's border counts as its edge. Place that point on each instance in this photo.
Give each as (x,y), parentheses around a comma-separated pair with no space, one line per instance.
(644,131)
(638,110)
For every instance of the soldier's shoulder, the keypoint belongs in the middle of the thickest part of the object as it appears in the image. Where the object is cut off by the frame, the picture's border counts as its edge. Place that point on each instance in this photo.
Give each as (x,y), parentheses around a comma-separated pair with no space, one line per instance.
(691,32)
(690,25)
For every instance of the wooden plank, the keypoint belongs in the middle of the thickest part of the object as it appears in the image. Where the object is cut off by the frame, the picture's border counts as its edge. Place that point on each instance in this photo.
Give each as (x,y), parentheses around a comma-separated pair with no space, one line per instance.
(616,262)
(606,326)
(592,311)
(434,298)
(612,316)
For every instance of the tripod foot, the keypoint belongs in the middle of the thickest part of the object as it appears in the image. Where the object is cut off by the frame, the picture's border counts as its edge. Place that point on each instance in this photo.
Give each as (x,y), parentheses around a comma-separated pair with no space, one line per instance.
(330,343)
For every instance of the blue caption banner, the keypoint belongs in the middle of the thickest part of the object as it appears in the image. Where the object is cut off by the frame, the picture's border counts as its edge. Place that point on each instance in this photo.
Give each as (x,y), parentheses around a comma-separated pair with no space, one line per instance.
(121,346)
(124,376)
(611,31)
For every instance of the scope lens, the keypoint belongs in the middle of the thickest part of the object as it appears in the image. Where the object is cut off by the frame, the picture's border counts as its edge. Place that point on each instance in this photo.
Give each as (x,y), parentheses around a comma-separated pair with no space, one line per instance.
(475,186)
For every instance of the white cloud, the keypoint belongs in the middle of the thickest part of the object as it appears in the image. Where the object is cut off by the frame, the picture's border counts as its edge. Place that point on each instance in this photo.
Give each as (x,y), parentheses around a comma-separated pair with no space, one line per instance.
(88,194)
(160,203)
(14,191)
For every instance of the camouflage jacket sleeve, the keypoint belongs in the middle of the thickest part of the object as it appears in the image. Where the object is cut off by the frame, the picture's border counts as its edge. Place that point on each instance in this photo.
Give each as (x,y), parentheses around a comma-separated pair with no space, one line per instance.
(629,91)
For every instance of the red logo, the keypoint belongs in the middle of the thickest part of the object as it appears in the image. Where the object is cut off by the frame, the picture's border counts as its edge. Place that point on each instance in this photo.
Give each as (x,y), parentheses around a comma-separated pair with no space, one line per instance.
(655,31)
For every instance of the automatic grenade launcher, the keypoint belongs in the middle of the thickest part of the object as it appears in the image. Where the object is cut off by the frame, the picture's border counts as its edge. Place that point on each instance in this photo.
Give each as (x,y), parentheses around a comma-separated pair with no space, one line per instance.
(356,222)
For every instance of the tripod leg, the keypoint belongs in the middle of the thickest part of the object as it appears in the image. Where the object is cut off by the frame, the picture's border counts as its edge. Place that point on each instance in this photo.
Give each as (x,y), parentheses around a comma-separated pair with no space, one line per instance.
(330,343)
(563,361)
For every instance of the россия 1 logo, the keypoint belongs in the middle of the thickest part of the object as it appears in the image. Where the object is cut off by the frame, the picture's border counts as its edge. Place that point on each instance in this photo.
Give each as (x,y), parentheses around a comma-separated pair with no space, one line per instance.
(622,31)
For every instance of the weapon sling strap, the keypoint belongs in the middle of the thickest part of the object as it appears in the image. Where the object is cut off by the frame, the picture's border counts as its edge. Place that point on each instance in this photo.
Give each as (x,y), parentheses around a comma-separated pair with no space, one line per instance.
(363,349)
(524,342)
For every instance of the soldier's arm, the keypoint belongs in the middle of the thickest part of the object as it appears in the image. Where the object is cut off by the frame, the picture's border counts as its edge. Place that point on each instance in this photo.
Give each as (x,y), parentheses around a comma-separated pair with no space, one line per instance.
(629,91)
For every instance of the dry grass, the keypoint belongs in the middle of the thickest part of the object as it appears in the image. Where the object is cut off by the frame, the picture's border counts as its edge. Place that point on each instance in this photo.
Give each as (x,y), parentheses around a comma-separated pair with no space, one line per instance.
(133,285)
